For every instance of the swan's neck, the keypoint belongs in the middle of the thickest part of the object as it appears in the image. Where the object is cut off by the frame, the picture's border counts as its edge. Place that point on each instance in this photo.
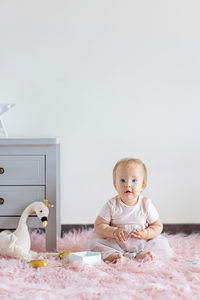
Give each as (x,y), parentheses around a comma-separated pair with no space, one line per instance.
(22,227)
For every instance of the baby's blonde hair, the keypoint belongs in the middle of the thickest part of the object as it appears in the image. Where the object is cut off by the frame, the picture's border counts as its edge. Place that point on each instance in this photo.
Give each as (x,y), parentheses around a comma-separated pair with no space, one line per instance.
(126,162)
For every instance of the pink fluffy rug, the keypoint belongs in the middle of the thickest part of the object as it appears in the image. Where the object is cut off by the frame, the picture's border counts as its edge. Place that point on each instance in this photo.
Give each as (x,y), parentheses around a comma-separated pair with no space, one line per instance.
(157,280)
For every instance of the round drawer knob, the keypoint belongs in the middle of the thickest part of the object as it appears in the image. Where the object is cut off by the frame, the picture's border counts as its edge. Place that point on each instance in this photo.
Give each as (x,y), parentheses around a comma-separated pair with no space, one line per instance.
(2,170)
(1,201)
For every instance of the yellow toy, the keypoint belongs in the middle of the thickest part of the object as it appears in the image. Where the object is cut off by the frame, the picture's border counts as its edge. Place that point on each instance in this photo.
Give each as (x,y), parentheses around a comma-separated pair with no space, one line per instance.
(63,254)
(38,263)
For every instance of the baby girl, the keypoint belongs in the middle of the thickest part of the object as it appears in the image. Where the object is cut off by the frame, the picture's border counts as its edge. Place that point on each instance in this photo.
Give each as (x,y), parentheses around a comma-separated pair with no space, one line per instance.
(128,225)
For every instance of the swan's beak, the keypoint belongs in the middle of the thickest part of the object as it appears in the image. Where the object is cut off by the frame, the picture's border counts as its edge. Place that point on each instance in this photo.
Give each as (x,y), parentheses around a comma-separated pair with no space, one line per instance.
(44,221)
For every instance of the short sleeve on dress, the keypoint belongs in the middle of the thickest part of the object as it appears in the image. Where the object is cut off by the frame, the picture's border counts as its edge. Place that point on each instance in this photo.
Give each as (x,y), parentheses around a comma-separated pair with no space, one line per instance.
(152,213)
(106,212)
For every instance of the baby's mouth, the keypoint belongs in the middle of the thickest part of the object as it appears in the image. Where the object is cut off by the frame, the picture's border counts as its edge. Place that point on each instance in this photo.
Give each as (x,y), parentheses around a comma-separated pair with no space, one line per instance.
(128,192)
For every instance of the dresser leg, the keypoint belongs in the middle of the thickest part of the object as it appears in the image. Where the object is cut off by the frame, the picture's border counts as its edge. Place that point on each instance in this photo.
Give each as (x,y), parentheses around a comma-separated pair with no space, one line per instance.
(51,238)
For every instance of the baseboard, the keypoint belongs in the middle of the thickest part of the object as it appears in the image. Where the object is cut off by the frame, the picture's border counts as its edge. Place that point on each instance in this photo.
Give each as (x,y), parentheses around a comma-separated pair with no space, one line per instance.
(168,228)
(65,228)
(184,228)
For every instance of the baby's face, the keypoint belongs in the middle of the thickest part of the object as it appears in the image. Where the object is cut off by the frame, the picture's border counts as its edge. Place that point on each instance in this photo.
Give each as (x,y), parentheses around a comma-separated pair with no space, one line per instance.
(129,182)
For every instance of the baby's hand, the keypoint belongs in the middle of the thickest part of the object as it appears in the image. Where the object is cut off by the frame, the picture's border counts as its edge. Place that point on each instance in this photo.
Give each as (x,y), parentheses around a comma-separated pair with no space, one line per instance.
(139,234)
(120,235)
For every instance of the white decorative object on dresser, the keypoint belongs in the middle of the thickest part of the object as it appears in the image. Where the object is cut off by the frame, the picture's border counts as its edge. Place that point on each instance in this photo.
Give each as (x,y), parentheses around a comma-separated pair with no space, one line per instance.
(30,171)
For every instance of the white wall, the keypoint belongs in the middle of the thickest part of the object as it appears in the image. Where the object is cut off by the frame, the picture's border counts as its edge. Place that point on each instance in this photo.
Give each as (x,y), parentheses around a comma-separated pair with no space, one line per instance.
(111,79)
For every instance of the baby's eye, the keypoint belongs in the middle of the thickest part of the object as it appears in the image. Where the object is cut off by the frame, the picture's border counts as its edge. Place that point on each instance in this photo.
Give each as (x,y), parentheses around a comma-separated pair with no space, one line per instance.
(122,180)
(134,180)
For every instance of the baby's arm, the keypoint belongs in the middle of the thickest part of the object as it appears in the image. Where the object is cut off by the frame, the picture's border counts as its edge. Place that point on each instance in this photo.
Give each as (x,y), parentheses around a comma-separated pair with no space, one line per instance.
(103,228)
(150,232)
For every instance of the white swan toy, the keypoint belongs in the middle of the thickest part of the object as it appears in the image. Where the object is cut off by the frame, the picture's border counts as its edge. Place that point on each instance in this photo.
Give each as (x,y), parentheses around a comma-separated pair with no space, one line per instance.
(17,244)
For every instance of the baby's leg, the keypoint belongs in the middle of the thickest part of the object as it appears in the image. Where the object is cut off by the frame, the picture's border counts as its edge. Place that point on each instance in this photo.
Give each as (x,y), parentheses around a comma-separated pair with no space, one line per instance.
(134,249)
(145,256)
(138,248)
(160,247)
(133,245)
(109,248)
(114,257)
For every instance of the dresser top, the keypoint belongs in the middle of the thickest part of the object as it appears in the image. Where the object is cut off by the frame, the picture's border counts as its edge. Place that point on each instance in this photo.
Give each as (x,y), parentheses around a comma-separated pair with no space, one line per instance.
(29,141)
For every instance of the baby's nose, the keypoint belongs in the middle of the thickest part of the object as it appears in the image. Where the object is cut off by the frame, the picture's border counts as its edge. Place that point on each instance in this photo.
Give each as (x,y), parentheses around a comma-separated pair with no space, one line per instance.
(129,182)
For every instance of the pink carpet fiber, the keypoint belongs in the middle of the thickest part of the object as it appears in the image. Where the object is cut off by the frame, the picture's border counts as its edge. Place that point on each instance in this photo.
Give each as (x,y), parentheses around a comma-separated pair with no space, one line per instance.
(157,280)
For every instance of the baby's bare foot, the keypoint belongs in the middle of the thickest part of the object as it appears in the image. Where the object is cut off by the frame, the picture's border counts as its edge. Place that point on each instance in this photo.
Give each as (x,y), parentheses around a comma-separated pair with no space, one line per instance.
(145,256)
(114,257)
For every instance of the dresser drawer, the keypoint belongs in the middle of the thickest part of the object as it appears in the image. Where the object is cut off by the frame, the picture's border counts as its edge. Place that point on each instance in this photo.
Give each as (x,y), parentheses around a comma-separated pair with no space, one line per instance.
(22,170)
(12,222)
(16,198)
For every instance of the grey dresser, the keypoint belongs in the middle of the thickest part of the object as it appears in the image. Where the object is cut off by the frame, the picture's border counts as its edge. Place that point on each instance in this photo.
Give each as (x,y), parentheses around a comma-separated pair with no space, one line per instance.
(30,171)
